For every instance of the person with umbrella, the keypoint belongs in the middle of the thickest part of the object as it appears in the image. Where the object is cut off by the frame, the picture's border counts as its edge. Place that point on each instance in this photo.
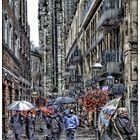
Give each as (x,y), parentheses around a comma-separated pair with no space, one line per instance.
(17,121)
(56,123)
(30,125)
(120,127)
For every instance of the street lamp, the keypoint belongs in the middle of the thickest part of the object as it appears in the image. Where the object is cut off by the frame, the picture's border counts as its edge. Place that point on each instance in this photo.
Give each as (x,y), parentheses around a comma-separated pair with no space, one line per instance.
(34,95)
(97,67)
(110,82)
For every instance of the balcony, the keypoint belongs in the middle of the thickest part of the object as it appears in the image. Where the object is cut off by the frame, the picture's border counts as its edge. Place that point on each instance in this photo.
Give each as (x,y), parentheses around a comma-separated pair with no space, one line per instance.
(99,39)
(110,18)
(113,67)
(90,6)
(111,61)
(86,9)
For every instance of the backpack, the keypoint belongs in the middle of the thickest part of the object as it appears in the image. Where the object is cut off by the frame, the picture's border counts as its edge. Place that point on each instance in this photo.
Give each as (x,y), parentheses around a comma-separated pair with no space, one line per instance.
(56,125)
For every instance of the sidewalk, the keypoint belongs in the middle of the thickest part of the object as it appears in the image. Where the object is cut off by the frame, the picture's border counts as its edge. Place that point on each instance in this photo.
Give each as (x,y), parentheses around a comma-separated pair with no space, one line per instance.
(87,132)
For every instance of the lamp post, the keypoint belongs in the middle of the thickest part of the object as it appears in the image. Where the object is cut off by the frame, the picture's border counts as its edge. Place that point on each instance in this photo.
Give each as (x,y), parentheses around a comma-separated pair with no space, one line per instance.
(72,69)
(96,67)
(66,75)
(34,95)
(110,82)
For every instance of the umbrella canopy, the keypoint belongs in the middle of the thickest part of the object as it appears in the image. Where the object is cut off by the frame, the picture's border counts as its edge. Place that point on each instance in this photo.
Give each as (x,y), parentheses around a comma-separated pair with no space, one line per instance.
(21,105)
(110,108)
(64,100)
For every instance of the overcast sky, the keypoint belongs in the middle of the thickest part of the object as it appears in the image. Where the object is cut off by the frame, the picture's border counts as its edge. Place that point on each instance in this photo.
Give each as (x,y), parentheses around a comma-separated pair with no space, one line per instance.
(33,20)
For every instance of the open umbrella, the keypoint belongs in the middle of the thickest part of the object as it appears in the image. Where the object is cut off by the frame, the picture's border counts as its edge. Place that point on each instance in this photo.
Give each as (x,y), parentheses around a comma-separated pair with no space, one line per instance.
(64,100)
(110,108)
(21,105)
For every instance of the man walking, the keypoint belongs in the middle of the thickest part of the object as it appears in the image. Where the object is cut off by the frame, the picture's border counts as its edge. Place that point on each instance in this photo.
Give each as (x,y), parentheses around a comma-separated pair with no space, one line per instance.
(17,121)
(56,125)
(120,127)
(30,125)
(71,123)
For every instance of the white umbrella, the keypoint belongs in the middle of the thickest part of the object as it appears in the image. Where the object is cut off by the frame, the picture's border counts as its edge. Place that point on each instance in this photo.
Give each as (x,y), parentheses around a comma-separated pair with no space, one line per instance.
(21,105)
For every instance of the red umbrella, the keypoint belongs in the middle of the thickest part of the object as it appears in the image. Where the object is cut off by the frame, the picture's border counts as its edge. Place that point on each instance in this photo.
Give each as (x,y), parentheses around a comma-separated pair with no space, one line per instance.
(46,110)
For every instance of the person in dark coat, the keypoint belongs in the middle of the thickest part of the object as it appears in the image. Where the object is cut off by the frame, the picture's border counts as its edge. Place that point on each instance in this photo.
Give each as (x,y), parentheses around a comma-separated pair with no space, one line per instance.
(120,127)
(30,125)
(16,122)
(56,125)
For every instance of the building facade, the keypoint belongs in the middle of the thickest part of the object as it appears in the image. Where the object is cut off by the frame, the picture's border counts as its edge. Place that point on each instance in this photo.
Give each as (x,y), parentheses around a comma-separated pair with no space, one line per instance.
(51,41)
(105,31)
(15,55)
(36,74)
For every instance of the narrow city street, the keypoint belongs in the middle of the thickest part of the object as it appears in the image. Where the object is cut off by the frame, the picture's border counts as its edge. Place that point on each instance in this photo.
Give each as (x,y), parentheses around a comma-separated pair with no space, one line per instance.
(72,63)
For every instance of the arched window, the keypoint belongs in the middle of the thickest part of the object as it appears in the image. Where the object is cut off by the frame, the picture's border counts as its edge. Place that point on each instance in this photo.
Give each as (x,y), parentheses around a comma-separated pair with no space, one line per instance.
(17,46)
(10,39)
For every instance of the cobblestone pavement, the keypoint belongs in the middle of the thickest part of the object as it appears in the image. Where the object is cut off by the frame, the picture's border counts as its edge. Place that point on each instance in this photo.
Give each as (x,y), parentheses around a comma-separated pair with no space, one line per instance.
(81,134)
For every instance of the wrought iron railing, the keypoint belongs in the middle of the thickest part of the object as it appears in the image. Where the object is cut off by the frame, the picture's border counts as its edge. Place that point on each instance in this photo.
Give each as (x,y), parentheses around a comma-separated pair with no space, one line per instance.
(110,12)
(86,9)
(111,61)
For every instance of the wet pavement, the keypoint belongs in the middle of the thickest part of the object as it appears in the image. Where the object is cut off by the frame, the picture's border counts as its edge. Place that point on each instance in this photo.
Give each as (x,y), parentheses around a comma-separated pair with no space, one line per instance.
(81,134)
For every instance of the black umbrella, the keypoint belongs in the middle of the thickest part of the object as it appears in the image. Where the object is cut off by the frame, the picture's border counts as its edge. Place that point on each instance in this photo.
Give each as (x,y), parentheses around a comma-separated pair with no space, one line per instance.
(64,100)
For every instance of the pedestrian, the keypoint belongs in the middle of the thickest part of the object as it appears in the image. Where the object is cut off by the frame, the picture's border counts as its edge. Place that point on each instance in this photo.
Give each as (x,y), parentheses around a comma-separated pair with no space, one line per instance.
(120,127)
(16,122)
(71,123)
(56,125)
(30,125)
(48,125)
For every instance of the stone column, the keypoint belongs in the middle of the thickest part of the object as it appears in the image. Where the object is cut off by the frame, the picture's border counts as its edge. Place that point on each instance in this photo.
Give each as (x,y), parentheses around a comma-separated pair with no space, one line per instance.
(131,80)
(130,60)
(6,93)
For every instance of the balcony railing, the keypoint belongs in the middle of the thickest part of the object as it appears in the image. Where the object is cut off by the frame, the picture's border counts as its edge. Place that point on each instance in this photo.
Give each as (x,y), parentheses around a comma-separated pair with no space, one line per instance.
(111,16)
(111,61)
(99,39)
(86,9)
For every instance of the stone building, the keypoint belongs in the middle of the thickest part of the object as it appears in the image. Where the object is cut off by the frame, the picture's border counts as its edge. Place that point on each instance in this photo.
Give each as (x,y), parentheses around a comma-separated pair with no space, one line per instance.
(105,31)
(36,73)
(51,41)
(15,55)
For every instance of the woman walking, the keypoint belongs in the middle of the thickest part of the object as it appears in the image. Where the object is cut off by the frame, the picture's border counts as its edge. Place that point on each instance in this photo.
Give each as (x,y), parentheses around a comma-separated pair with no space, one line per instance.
(30,125)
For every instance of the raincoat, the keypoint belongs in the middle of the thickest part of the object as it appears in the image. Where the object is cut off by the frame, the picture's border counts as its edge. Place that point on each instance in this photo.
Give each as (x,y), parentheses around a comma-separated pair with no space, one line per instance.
(71,122)
(17,125)
(56,126)
(30,127)
(120,128)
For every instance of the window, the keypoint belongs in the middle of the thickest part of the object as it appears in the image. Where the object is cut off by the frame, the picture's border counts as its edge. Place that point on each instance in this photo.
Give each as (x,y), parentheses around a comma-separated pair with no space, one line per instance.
(10,37)
(6,30)
(16,9)
(10,3)
(17,47)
